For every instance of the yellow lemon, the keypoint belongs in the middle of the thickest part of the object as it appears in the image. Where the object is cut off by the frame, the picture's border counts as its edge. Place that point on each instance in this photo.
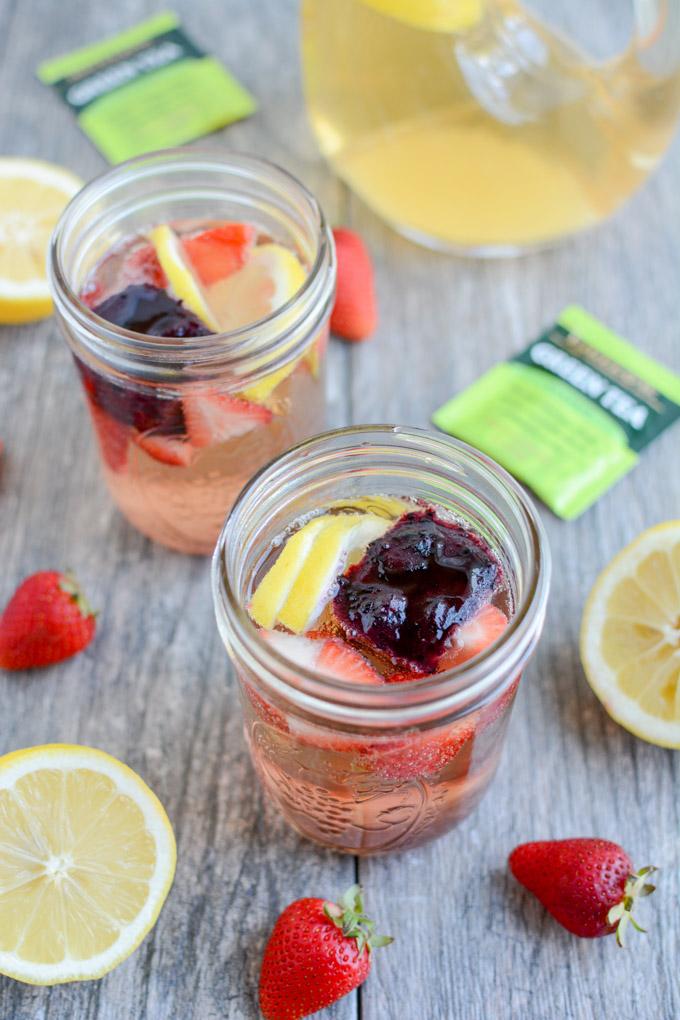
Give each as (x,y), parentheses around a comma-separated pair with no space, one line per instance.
(272,276)
(630,636)
(431,15)
(32,197)
(181,278)
(87,857)
(297,588)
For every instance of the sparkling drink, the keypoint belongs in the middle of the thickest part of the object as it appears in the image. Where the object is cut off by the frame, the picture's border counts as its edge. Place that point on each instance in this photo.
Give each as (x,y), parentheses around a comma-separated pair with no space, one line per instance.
(199,339)
(384,631)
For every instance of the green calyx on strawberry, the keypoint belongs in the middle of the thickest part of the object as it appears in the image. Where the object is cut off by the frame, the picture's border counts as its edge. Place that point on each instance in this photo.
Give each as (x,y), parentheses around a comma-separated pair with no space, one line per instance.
(621,914)
(588,885)
(349,916)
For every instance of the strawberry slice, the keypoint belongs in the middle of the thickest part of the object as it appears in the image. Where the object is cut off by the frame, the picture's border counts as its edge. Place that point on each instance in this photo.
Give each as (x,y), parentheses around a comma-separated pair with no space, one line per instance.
(142,266)
(339,660)
(212,417)
(217,253)
(326,654)
(421,754)
(113,438)
(167,449)
(471,638)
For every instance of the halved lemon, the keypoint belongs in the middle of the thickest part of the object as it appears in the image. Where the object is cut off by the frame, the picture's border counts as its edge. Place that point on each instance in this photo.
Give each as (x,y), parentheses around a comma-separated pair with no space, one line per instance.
(295,591)
(32,197)
(87,857)
(630,636)
(431,15)
(180,276)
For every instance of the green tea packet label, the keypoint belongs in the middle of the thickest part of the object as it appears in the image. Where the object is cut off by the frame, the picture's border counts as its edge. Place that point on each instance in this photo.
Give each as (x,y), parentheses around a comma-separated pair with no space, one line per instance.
(569,415)
(148,88)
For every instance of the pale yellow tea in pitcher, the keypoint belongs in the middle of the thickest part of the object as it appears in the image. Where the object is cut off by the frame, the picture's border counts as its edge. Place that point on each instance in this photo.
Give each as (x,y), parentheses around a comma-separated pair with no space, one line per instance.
(471,125)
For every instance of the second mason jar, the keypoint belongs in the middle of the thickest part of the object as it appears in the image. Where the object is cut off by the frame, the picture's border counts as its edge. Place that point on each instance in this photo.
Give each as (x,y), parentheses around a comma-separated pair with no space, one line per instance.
(373,767)
(182,422)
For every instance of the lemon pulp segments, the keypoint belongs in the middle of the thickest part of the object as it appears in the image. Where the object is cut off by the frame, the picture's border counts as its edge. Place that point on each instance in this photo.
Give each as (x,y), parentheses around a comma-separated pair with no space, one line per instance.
(87,856)
(630,636)
(32,197)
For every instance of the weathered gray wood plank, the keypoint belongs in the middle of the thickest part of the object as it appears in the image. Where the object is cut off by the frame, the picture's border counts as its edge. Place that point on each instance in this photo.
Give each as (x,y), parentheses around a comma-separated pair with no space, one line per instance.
(471,944)
(155,688)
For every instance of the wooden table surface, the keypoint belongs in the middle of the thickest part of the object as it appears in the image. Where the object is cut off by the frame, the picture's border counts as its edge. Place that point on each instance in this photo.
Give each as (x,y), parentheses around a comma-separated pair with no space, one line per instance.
(155,689)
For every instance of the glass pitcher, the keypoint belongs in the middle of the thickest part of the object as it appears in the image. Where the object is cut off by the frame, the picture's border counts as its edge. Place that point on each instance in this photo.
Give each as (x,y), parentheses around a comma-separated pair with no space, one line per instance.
(487,128)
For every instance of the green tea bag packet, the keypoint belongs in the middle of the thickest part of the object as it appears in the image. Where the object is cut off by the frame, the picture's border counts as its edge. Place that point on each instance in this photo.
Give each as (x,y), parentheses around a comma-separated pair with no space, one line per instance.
(148,88)
(569,415)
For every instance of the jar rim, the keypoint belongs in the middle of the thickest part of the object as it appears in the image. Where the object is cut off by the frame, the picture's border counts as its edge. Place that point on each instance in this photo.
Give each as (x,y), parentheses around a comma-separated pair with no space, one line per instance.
(410,700)
(234,349)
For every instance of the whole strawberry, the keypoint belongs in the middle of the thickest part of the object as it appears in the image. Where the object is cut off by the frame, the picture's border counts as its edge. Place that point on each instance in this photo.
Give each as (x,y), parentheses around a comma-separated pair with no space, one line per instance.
(317,952)
(46,620)
(588,885)
(354,315)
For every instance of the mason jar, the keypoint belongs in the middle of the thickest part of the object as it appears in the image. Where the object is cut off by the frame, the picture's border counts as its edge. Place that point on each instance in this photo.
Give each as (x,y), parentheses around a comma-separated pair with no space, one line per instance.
(138,387)
(371,768)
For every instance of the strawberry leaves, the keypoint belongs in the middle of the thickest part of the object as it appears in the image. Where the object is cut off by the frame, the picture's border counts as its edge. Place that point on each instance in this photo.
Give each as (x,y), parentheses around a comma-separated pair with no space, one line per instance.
(349,916)
(621,914)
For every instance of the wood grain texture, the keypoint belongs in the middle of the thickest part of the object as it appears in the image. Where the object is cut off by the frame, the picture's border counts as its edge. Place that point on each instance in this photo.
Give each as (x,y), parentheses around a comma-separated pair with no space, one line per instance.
(155,688)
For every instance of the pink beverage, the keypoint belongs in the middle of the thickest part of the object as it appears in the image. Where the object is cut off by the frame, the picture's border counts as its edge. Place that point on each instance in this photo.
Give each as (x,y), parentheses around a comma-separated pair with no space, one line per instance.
(199,334)
(385,630)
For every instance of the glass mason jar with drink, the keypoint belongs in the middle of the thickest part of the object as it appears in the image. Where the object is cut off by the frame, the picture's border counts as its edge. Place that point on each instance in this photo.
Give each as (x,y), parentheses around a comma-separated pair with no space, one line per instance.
(379,591)
(194,290)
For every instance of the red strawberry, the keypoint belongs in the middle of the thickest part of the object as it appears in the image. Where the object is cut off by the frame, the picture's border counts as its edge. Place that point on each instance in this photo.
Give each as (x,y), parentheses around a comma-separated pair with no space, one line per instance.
(471,638)
(113,438)
(354,315)
(46,620)
(588,885)
(423,754)
(343,662)
(326,654)
(166,449)
(142,266)
(212,417)
(219,252)
(317,953)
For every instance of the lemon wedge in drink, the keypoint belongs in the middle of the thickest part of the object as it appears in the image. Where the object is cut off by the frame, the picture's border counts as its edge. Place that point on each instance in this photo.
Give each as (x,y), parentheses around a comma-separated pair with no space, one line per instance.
(32,197)
(297,588)
(630,636)
(182,280)
(431,15)
(87,857)
(272,275)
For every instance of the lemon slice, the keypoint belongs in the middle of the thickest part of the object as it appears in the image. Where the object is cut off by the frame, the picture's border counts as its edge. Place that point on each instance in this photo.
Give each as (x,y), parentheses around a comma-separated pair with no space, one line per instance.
(179,274)
(87,857)
(630,636)
(432,15)
(272,275)
(32,197)
(296,589)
